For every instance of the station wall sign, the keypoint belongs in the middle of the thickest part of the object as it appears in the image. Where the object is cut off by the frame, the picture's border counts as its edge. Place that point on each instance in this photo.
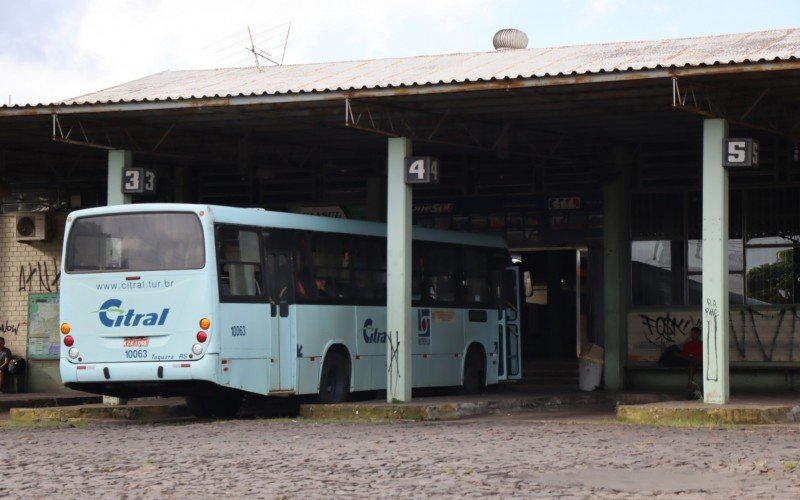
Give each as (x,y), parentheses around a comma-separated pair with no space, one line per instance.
(137,180)
(740,153)
(422,170)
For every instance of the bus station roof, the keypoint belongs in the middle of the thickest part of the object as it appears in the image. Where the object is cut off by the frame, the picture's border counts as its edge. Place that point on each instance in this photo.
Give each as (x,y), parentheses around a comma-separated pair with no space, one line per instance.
(560,109)
(436,70)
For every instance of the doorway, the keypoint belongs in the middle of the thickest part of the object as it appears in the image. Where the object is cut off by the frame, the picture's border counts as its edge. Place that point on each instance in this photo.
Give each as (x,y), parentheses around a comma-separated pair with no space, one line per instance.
(556,311)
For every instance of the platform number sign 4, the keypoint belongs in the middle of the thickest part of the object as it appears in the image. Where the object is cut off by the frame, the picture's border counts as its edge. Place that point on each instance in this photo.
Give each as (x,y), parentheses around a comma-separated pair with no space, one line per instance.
(138,181)
(422,170)
(740,153)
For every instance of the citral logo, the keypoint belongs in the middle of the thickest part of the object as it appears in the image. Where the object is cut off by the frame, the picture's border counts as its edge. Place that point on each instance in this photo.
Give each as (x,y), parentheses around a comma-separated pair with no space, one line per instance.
(371,333)
(111,314)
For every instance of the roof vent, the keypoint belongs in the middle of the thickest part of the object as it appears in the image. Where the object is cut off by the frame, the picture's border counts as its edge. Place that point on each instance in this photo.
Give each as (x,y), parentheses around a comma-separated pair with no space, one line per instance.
(510,39)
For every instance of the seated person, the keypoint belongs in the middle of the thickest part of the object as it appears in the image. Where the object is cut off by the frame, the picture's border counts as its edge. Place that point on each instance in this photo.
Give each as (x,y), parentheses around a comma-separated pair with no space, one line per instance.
(5,359)
(322,287)
(301,285)
(692,353)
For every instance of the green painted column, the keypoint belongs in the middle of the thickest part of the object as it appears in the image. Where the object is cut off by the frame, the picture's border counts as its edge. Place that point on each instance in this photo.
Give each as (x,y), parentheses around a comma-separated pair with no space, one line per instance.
(398,274)
(616,271)
(117,160)
(715,313)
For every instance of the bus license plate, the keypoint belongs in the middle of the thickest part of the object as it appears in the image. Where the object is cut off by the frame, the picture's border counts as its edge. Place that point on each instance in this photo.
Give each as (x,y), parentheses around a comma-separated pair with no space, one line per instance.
(135,342)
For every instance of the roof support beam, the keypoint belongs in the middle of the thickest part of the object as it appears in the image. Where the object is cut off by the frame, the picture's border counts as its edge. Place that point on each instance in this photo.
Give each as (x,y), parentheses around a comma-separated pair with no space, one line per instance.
(477,86)
(714,102)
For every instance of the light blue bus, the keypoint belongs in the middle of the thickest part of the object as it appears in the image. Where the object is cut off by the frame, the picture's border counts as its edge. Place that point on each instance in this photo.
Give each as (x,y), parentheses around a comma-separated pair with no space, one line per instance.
(212,302)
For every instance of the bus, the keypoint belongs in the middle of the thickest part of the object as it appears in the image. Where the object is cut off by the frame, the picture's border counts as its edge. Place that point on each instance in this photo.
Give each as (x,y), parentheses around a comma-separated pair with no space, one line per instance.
(212,303)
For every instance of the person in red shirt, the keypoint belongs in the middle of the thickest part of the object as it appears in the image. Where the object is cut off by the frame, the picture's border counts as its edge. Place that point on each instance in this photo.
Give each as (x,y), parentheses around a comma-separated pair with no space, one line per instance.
(692,353)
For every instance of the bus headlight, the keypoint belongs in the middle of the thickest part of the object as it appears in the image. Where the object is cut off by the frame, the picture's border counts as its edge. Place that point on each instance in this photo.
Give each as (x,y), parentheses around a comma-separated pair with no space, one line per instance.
(197,349)
(73,353)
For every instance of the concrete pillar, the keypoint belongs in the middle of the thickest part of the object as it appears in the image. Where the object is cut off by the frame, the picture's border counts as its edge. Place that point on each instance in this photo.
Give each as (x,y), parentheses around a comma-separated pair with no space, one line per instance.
(715,313)
(616,271)
(117,160)
(398,274)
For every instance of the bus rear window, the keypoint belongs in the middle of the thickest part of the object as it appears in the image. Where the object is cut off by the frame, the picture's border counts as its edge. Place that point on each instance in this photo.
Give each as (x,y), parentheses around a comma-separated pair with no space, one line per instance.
(135,242)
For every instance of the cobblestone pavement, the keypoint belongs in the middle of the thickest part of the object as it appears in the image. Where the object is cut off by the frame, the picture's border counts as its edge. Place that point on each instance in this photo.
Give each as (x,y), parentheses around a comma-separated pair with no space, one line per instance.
(524,455)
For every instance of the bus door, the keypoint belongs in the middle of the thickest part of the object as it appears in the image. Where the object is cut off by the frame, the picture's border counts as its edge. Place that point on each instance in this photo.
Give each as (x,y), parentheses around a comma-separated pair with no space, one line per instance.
(243,310)
(509,341)
(279,290)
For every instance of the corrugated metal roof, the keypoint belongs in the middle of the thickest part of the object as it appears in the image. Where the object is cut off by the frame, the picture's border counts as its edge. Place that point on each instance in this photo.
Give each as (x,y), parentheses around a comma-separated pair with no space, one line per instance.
(779,45)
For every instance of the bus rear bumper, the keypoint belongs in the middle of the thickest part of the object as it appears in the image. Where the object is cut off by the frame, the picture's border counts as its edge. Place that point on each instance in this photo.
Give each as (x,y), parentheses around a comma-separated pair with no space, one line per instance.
(143,378)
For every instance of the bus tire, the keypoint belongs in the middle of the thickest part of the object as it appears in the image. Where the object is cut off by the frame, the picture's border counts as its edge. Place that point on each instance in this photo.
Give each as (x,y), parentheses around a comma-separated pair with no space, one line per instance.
(474,372)
(334,381)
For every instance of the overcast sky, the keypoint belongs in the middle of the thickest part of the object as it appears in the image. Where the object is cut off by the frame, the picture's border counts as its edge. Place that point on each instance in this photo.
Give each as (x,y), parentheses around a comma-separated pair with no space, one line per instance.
(54,49)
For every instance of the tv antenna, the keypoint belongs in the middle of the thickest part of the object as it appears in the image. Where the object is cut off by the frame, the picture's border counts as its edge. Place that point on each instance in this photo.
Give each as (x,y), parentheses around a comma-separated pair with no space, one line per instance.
(264,54)
(253,38)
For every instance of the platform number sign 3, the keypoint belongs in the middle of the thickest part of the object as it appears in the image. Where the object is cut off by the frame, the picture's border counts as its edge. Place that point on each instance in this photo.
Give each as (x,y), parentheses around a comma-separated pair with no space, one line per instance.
(422,170)
(138,181)
(740,153)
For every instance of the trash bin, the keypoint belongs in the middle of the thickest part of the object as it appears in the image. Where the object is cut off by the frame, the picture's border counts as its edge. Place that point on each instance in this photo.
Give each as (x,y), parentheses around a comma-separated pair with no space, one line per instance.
(590,367)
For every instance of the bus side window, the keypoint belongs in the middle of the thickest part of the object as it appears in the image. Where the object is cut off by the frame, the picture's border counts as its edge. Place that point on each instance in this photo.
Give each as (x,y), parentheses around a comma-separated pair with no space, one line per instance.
(271,271)
(475,267)
(441,273)
(417,272)
(239,254)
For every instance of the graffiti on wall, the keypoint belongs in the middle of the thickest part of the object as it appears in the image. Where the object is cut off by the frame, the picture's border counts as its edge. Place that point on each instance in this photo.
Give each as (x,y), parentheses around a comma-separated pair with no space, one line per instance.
(40,276)
(9,327)
(754,335)
(666,329)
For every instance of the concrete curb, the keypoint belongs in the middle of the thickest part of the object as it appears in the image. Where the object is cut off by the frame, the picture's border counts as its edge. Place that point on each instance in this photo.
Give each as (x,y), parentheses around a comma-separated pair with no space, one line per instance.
(454,410)
(143,413)
(693,414)
(48,401)
(422,409)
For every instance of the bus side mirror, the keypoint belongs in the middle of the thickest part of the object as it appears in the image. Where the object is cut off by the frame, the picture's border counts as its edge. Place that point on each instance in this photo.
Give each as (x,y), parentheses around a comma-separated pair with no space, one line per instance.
(528,280)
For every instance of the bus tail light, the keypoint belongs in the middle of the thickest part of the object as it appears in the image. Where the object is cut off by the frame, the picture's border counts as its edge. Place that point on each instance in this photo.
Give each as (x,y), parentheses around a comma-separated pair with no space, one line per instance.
(205,323)
(202,336)
(73,353)
(197,349)
(69,340)
(65,328)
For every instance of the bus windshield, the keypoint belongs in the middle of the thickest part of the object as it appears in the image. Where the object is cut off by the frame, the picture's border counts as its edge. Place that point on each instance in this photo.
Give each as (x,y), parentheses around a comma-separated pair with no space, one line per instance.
(152,241)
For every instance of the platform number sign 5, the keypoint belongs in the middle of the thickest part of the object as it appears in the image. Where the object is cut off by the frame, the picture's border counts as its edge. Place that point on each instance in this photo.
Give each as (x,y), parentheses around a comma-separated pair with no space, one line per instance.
(740,153)
(138,181)
(422,170)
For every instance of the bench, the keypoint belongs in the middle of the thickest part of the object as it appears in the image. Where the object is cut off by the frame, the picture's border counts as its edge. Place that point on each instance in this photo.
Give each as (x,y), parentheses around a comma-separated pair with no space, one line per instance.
(751,367)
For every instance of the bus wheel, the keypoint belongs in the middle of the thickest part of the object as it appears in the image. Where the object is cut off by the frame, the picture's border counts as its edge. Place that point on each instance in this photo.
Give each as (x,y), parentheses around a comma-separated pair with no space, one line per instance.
(474,372)
(334,383)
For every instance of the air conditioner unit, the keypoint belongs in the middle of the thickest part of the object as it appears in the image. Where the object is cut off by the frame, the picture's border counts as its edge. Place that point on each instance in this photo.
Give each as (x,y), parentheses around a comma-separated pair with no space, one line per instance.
(31,227)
